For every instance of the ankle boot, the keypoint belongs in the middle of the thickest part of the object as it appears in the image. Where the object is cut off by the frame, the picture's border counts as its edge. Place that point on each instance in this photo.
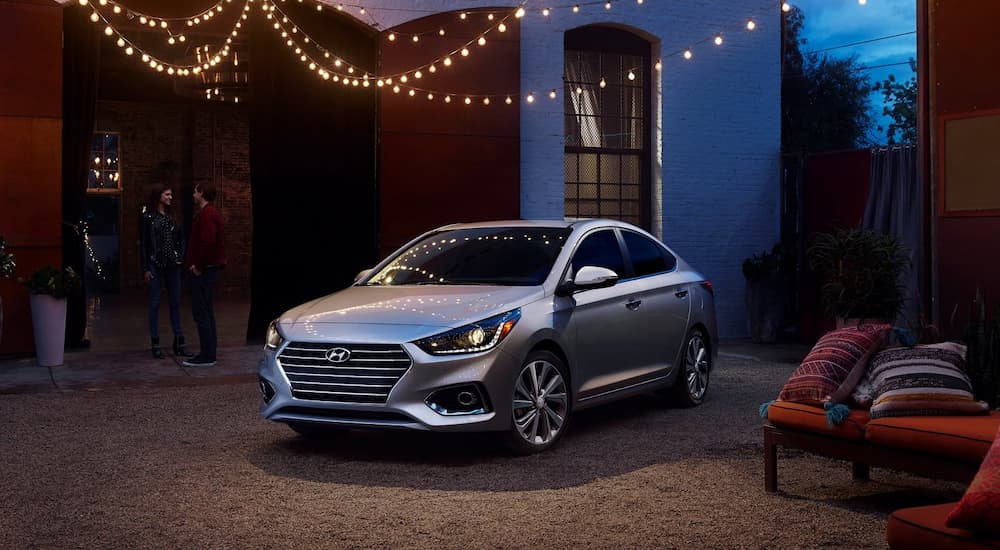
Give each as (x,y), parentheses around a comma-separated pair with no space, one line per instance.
(157,352)
(179,350)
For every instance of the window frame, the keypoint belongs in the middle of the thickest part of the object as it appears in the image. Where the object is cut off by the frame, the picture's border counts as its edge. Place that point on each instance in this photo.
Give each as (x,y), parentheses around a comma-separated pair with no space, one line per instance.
(106,190)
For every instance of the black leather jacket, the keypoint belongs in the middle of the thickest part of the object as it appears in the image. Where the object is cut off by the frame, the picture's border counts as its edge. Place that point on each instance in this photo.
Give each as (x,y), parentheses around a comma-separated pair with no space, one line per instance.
(151,243)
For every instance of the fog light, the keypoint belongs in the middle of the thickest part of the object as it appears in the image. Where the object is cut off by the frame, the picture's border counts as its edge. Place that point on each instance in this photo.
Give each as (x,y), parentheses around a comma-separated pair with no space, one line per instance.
(266,389)
(457,400)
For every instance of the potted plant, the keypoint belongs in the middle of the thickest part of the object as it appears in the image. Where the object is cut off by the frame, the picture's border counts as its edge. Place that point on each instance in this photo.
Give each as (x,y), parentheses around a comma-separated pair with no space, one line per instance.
(7,266)
(49,287)
(764,294)
(859,272)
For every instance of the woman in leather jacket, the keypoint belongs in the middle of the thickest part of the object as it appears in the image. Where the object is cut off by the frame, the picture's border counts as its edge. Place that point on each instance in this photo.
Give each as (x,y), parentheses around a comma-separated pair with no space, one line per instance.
(162,252)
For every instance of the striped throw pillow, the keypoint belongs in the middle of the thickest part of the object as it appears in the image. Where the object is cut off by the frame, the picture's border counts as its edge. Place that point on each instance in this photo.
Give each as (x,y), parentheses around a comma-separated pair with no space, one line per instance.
(834,366)
(923,381)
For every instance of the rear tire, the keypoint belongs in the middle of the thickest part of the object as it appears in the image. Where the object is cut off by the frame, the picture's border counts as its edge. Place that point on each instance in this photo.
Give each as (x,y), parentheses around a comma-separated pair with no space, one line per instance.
(696,364)
(540,404)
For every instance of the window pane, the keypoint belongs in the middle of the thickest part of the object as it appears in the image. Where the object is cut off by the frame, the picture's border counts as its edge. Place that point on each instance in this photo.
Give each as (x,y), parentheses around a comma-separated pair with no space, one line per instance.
(588,169)
(610,169)
(599,249)
(647,256)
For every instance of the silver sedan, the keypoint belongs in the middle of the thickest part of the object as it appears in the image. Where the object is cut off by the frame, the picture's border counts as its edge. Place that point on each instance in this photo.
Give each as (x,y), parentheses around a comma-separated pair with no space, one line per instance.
(503,326)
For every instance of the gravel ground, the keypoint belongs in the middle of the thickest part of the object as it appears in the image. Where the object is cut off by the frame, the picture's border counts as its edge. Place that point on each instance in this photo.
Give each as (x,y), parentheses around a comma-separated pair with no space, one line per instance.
(197,467)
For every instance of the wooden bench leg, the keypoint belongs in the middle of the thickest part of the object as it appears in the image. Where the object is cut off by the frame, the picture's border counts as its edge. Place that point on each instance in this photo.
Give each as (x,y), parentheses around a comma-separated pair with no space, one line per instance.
(859,471)
(770,463)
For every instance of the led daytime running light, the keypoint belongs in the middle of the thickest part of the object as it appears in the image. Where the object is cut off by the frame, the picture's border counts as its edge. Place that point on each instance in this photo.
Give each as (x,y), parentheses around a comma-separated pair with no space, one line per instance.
(472,338)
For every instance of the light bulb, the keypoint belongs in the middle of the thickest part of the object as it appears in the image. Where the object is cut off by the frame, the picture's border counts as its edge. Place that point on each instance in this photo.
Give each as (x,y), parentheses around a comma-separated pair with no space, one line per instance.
(530,98)
(502,28)
(141,19)
(83,2)
(418,74)
(519,13)
(447,99)
(462,16)
(121,43)
(576,8)
(416,38)
(465,52)
(447,62)
(432,69)
(413,93)
(718,40)
(380,83)
(392,37)
(862,2)
(546,12)
(508,101)
(687,54)
(129,51)
(430,97)
(631,75)
(786,7)
(108,31)
(481,41)
(468,100)
(171,40)
(361,10)
(489,16)
(751,25)
(94,17)
(117,9)
(181,38)
(163,24)
(395,89)
(552,94)
(486,101)
(607,5)
(441,32)
(658,65)
(579,90)
(403,79)
(602,83)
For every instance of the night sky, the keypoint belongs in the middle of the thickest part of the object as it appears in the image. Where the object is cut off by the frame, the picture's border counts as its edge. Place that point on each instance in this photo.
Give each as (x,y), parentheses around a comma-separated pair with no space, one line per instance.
(830,23)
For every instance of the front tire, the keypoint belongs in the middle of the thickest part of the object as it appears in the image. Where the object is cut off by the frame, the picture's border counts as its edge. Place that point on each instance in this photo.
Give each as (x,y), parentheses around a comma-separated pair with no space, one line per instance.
(692,381)
(540,404)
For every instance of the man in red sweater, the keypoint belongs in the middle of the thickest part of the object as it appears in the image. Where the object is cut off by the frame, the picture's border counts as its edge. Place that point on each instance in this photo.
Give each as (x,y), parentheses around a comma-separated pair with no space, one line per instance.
(206,254)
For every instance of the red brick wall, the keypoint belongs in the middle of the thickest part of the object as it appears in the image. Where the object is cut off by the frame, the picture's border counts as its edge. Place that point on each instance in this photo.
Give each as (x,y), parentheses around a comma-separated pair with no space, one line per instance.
(207,142)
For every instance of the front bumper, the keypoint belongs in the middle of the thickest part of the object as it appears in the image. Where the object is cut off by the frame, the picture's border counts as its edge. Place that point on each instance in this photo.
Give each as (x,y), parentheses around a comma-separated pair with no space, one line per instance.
(406,406)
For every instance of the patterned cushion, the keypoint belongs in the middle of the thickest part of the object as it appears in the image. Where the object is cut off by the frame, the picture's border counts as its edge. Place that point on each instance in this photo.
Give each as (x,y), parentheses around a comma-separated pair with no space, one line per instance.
(834,365)
(923,381)
(979,509)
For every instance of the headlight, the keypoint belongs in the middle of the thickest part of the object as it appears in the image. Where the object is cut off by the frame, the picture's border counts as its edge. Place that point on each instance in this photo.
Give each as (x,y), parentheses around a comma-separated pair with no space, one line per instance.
(472,338)
(273,338)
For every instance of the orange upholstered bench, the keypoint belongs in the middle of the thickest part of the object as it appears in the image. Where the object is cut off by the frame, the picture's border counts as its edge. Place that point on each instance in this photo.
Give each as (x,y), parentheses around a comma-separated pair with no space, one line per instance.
(938,447)
(924,527)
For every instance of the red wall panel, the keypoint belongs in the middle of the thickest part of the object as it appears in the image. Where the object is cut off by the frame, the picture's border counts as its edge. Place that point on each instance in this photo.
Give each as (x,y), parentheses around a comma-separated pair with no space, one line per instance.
(967,248)
(31,134)
(837,186)
(449,162)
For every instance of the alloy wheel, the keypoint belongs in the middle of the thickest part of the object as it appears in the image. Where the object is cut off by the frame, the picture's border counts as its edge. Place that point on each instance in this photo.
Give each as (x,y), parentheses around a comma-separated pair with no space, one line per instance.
(696,366)
(540,402)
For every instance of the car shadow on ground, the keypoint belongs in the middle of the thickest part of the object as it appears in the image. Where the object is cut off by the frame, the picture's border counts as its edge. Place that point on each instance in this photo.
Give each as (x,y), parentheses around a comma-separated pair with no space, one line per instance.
(593,448)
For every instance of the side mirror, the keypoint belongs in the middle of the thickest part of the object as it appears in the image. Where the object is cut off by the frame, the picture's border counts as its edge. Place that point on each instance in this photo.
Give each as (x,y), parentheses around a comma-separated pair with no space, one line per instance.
(589,277)
(362,274)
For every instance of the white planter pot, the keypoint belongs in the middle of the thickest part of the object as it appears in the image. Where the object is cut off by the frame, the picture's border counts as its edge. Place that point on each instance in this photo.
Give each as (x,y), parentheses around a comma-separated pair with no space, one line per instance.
(48,317)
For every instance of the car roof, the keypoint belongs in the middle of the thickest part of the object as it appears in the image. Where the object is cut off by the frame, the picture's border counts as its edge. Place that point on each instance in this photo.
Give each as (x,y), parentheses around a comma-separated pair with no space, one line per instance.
(567,222)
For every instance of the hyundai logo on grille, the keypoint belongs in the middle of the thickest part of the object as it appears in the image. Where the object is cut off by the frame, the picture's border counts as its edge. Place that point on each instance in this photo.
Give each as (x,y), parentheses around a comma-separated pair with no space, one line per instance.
(338,355)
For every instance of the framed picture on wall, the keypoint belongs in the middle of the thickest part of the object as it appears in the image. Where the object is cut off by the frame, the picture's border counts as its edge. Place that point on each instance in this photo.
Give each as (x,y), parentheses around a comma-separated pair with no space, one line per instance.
(969,164)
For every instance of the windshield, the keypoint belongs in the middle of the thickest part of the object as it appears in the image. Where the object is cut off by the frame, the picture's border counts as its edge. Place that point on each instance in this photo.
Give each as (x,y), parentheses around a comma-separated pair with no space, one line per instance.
(505,256)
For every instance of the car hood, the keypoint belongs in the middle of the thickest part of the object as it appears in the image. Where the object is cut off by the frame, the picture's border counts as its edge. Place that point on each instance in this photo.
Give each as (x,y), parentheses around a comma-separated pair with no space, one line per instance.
(415,310)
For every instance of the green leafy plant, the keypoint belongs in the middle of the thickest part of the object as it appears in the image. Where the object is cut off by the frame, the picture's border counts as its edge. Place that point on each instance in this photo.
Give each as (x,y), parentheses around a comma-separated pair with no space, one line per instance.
(7,264)
(50,280)
(859,272)
(763,265)
(982,359)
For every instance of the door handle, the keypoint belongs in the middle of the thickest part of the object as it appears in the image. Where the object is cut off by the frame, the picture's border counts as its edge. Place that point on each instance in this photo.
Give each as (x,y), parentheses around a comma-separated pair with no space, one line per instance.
(633,304)
(681,293)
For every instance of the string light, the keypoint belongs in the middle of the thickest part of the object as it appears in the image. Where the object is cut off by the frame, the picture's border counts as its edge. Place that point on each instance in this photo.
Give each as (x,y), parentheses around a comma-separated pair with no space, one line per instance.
(688,54)
(751,25)
(786,7)
(718,40)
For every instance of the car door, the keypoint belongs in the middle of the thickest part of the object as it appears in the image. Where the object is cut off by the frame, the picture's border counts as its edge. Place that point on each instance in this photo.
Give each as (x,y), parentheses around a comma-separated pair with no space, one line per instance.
(666,301)
(604,322)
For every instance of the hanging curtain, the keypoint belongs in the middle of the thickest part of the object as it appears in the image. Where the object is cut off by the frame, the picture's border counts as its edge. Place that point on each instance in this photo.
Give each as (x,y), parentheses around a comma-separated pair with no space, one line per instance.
(584,103)
(896,207)
(81,55)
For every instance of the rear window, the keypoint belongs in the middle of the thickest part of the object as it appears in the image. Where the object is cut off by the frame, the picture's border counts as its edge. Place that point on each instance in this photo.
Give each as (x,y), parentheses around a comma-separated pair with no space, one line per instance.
(648,257)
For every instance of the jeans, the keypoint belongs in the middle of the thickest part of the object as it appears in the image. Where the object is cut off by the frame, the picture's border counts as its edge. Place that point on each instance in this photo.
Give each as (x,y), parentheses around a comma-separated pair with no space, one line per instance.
(171,277)
(203,307)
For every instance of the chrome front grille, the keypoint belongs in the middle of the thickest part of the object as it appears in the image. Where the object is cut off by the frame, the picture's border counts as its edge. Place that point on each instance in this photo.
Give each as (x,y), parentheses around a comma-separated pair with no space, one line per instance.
(367,376)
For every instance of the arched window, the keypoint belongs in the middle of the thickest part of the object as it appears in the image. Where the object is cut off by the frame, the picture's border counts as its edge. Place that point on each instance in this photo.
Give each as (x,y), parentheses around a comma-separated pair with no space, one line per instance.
(607,108)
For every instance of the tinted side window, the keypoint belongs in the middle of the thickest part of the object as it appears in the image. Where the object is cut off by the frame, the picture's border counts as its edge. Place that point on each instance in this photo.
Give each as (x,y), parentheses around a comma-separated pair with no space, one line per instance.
(647,256)
(601,250)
